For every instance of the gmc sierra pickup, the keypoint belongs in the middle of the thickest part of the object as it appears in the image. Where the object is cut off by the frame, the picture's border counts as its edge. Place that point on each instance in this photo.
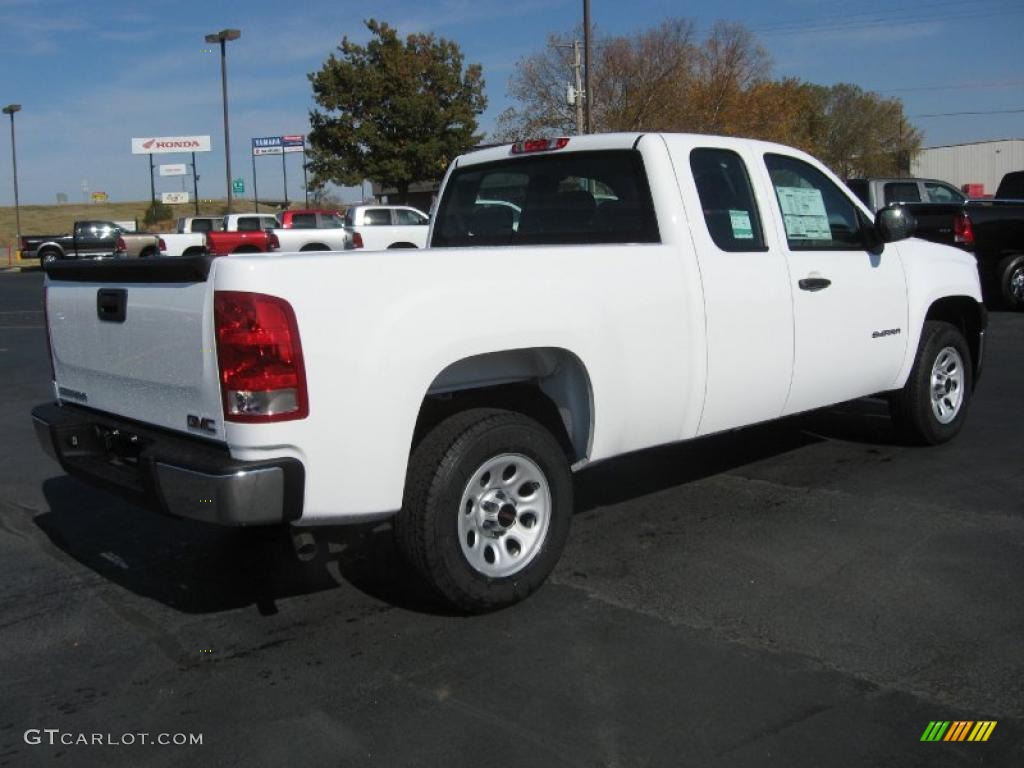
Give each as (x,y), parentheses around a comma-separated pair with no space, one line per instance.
(653,288)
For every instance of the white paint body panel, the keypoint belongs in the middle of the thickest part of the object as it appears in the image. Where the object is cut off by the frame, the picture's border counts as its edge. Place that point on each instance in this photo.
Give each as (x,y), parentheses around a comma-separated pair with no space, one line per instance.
(177,243)
(336,239)
(671,335)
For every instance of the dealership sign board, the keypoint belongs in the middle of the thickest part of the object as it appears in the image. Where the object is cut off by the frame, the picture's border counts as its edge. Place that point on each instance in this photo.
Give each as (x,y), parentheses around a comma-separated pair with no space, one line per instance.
(173,198)
(278,145)
(155,145)
(172,169)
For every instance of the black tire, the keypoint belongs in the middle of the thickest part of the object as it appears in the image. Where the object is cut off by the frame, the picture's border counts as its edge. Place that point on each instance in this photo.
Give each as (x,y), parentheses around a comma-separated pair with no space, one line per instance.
(912,407)
(314,247)
(1010,273)
(440,469)
(48,256)
(401,245)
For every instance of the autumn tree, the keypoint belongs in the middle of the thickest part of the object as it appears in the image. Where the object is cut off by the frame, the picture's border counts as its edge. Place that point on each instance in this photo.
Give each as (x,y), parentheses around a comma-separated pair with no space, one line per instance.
(395,111)
(863,134)
(669,79)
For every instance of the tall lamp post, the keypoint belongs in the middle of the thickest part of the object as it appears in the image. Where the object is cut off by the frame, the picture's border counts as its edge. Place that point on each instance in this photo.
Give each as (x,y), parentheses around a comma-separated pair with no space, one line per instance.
(10,109)
(222,37)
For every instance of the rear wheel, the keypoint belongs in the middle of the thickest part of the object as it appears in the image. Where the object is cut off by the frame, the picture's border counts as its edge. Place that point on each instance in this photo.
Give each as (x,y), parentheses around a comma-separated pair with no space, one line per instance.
(48,256)
(400,245)
(487,508)
(932,406)
(1011,281)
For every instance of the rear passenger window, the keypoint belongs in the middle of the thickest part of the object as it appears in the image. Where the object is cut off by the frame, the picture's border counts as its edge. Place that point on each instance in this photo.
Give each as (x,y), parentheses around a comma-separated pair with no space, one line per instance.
(727,200)
(304,220)
(902,192)
(549,198)
(377,217)
(249,224)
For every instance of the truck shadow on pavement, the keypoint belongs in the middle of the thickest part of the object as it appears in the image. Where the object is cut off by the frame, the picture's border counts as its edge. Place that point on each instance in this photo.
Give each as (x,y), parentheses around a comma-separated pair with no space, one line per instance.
(657,469)
(197,568)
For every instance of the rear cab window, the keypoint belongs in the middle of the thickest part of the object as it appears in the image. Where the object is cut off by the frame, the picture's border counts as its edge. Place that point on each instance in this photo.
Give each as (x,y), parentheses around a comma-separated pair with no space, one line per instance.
(570,198)
(303,221)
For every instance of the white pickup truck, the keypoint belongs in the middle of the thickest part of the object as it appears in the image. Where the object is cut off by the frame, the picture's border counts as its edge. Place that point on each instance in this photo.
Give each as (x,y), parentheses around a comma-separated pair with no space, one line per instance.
(652,289)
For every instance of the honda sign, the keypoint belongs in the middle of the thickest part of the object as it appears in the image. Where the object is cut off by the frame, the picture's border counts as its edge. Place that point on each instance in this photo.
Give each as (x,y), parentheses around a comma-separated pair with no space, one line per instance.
(169,144)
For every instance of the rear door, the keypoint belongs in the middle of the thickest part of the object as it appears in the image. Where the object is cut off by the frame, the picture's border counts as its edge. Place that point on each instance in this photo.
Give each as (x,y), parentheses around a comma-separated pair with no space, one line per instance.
(849,304)
(747,300)
(139,350)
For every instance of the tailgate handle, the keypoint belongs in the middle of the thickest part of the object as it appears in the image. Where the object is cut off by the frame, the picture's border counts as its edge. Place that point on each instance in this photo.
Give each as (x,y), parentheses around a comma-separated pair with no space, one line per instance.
(111,304)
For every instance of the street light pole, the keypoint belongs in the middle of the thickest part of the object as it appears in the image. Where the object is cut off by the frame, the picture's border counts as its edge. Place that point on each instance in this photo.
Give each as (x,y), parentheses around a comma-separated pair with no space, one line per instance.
(222,37)
(10,109)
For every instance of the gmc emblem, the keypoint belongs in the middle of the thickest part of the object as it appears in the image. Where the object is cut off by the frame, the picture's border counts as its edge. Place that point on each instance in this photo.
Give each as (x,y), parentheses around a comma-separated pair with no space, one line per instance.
(207,425)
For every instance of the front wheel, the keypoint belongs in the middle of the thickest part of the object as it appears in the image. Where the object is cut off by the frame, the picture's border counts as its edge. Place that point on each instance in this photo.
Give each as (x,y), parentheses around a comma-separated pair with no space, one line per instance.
(932,406)
(487,508)
(1011,281)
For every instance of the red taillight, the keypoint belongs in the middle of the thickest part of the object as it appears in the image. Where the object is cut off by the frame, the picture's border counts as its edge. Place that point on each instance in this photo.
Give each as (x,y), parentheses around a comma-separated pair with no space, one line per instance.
(963,230)
(46,322)
(273,243)
(161,244)
(262,374)
(120,245)
(539,145)
(357,240)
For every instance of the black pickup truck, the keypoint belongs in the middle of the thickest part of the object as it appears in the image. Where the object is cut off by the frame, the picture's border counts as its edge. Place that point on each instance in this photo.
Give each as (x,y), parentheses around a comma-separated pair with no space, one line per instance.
(88,240)
(992,229)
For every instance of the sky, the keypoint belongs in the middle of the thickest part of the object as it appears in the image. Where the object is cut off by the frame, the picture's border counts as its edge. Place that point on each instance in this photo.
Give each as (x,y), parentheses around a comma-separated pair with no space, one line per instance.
(90,76)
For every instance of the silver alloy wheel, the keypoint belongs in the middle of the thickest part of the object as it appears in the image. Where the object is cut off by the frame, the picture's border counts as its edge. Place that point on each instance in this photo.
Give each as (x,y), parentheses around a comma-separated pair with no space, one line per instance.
(1017,283)
(947,385)
(504,515)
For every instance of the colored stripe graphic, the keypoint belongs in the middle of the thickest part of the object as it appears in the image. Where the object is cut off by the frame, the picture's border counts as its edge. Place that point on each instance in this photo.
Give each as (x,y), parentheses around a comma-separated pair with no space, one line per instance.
(935,730)
(982,730)
(958,730)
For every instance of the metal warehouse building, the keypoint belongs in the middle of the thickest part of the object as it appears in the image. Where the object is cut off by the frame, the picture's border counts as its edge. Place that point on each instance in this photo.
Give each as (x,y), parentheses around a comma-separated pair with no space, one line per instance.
(983,162)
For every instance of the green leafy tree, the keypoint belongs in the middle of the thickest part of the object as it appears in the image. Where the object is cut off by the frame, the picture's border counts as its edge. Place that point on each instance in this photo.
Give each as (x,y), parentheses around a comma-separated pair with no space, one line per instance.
(393,111)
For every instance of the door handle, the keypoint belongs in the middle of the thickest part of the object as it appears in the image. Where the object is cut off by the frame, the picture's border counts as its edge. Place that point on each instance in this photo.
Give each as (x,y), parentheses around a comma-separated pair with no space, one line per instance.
(814,283)
(111,304)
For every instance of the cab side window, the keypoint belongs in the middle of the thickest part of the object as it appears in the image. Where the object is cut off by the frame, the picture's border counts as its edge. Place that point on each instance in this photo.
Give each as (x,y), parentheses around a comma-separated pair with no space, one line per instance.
(727,200)
(816,214)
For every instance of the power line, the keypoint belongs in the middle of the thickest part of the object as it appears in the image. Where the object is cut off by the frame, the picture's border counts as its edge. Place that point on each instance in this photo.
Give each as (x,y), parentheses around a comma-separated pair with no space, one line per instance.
(957,114)
(956,86)
(877,20)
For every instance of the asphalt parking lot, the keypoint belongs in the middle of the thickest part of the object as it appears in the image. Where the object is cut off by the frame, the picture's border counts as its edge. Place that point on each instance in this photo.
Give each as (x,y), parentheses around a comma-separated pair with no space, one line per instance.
(806,593)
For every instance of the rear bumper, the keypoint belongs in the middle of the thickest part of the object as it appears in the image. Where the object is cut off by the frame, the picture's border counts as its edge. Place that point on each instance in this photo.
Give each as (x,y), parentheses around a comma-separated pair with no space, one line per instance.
(181,476)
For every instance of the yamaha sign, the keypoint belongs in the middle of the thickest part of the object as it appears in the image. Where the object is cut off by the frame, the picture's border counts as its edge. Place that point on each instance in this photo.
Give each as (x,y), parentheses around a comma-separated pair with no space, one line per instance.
(155,145)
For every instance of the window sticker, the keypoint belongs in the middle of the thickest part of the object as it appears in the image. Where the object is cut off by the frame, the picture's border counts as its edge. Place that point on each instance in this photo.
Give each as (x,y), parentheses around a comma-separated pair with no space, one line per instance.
(741,226)
(803,211)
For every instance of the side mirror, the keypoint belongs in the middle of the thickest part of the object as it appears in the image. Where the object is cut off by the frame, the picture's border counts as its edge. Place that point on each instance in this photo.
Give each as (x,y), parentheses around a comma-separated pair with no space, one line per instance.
(893,223)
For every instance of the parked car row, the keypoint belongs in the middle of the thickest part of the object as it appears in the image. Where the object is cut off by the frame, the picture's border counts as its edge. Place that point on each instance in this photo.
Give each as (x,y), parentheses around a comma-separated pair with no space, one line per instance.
(993,230)
(373,227)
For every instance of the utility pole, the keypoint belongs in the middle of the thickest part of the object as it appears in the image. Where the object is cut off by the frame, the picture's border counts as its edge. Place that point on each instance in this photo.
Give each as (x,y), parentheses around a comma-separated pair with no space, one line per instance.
(588,124)
(223,37)
(576,66)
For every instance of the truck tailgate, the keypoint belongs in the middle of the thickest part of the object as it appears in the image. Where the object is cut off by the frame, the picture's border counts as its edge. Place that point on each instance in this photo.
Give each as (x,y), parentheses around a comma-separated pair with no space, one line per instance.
(137,343)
